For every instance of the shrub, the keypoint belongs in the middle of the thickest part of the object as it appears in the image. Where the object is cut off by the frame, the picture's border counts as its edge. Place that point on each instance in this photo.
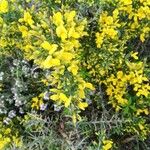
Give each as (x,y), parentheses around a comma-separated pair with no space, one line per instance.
(78,62)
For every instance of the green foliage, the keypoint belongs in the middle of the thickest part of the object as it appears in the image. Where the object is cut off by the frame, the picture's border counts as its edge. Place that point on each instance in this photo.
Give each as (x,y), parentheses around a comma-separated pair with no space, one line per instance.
(74,74)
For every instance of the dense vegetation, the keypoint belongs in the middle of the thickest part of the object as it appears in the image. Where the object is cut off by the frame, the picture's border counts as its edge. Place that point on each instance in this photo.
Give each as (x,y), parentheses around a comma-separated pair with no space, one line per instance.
(74,74)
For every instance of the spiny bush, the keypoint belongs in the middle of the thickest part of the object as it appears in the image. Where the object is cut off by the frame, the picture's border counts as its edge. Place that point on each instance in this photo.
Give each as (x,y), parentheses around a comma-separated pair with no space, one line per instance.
(82,60)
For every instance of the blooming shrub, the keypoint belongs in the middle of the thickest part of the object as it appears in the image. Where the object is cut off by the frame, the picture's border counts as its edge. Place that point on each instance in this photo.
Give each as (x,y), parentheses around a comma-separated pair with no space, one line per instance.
(74,55)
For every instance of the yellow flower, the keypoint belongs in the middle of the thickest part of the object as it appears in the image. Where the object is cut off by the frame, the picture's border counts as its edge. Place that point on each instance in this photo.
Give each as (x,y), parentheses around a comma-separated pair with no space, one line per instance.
(109,20)
(70,16)
(3,6)
(89,85)
(99,39)
(126,2)
(23,30)
(65,56)
(107,144)
(82,105)
(4,142)
(73,33)
(58,19)
(65,99)
(134,55)
(50,62)
(142,37)
(81,93)
(136,87)
(109,90)
(61,32)
(80,28)
(50,47)
(119,74)
(146,29)
(121,100)
(67,103)
(74,69)
(67,45)
(139,111)
(142,12)
(28,18)
(53,48)
(46,45)
(54,97)
(35,102)
(115,13)
(75,43)
(142,91)
(110,32)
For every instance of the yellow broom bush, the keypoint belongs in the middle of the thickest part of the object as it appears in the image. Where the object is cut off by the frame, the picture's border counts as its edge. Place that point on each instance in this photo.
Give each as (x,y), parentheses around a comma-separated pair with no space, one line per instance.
(77,52)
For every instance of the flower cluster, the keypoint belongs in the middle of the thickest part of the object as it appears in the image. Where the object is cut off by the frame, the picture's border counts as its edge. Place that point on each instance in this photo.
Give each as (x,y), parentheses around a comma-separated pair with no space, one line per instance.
(118,86)
(3,6)
(68,57)
(60,56)
(6,138)
(107,144)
